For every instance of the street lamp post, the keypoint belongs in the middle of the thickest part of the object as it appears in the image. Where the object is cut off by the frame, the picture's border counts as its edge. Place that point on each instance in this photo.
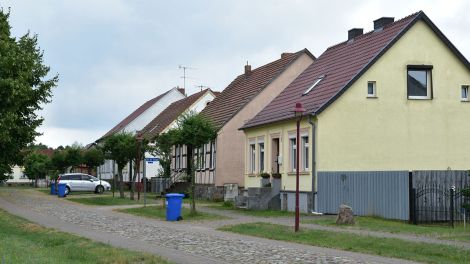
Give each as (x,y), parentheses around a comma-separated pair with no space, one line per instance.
(298,110)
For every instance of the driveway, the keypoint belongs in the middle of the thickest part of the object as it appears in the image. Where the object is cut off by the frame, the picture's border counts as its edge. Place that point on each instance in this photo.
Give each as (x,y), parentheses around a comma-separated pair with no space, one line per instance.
(181,242)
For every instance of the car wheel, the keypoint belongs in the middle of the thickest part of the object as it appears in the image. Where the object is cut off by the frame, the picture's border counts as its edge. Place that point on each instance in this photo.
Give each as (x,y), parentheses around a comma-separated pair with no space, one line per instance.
(99,189)
(67,190)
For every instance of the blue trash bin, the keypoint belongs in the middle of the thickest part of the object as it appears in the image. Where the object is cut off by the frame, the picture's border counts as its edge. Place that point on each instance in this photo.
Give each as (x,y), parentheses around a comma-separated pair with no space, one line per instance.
(61,190)
(53,192)
(174,201)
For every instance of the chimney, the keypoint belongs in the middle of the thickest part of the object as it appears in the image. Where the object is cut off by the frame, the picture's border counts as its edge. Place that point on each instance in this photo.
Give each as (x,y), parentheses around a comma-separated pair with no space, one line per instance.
(247,69)
(181,90)
(382,22)
(355,32)
(284,54)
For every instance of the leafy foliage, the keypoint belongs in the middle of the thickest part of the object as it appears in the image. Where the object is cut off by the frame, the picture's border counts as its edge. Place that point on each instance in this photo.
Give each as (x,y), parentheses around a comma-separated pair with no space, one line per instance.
(121,148)
(93,157)
(23,91)
(58,161)
(163,147)
(73,156)
(36,166)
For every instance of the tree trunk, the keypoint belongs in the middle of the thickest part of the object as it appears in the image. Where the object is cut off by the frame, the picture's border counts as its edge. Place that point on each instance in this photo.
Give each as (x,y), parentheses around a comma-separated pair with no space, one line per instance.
(36,182)
(121,183)
(191,172)
(133,177)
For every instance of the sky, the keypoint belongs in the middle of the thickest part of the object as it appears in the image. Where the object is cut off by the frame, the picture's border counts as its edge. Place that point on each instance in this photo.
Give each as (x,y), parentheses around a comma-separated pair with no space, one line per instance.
(113,55)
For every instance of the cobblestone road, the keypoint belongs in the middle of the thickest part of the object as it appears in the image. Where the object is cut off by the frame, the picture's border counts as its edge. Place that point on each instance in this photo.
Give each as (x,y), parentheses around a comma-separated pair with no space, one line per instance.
(200,240)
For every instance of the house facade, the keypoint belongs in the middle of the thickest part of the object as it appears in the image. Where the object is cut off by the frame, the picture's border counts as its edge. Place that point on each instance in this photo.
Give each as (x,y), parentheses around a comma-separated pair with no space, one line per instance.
(394,99)
(166,120)
(222,161)
(136,121)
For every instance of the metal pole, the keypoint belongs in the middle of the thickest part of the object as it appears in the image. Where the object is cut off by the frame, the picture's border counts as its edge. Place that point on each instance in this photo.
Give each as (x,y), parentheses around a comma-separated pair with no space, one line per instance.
(452,190)
(297,213)
(114,179)
(144,176)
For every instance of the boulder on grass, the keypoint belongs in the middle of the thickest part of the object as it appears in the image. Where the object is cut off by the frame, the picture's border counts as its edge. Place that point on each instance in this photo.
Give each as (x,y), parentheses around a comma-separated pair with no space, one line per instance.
(345,215)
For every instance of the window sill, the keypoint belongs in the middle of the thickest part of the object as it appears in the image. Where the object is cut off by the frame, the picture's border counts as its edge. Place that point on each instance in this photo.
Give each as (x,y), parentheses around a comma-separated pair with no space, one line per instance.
(301,173)
(251,175)
(465,100)
(372,97)
(417,98)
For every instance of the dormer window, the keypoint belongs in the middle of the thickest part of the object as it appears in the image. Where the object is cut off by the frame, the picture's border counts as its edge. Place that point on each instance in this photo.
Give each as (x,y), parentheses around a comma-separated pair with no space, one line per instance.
(315,83)
(464,93)
(419,82)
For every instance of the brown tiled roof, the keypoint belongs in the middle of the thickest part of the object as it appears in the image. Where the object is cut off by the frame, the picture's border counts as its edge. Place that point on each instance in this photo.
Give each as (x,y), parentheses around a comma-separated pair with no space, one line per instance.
(341,65)
(134,115)
(245,87)
(170,114)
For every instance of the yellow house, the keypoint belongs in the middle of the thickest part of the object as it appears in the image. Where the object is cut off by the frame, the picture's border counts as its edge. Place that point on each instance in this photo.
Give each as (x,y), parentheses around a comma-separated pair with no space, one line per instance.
(391,100)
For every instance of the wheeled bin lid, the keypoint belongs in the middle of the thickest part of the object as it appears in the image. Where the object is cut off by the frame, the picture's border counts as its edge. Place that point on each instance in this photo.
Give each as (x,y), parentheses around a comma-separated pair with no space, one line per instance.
(169,195)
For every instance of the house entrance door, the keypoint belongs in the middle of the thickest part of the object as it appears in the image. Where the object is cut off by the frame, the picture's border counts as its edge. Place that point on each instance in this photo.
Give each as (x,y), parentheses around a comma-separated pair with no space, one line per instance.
(275,155)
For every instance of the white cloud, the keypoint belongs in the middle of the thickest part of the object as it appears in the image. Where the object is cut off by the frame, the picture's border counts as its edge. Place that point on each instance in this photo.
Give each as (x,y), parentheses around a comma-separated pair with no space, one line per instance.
(56,136)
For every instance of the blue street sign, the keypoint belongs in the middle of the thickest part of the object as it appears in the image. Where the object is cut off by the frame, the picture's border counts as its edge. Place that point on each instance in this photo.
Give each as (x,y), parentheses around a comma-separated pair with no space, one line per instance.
(151,160)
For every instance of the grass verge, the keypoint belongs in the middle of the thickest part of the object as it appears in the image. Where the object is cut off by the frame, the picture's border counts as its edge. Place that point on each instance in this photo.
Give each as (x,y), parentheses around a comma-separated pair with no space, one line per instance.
(25,242)
(396,226)
(387,247)
(158,212)
(108,200)
(257,213)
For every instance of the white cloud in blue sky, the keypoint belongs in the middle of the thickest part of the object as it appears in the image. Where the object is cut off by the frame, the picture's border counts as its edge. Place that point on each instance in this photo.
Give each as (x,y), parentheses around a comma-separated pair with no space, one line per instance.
(113,55)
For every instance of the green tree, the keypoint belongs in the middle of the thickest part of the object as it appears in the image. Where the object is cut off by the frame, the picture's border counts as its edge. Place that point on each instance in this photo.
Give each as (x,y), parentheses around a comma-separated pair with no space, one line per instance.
(36,166)
(58,161)
(163,147)
(73,156)
(24,89)
(120,147)
(194,131)
(93,158)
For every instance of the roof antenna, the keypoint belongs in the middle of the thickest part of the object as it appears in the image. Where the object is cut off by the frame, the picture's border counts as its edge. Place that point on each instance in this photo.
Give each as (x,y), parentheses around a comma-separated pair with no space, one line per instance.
(201,86)
(184,73)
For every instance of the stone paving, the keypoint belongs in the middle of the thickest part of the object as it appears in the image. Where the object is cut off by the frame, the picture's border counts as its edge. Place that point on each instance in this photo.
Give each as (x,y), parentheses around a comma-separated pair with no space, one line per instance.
(192,239)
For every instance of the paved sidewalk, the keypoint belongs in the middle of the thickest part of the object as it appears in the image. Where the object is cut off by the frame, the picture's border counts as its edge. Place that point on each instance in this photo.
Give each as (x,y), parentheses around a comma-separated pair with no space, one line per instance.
(181,242)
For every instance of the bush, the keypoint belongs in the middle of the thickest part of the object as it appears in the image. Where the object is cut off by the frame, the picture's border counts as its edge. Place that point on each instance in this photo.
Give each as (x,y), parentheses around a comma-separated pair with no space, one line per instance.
(228,204)
(265,175)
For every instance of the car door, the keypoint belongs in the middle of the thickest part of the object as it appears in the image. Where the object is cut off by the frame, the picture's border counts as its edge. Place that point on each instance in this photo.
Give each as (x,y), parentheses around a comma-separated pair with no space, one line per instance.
(74,182)
(87,183)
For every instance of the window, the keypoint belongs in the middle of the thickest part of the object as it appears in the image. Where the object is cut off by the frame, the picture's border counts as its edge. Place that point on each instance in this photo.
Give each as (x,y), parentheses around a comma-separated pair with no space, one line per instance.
(213,154)
(419,82)
(304,153)
(252,156)
(371,89)
(293,153)
(177,157)
(261,157)
(464,93)
(315,83)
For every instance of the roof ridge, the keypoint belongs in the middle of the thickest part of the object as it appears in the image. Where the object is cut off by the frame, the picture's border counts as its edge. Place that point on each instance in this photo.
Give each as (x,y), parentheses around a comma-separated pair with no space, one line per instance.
(373,30)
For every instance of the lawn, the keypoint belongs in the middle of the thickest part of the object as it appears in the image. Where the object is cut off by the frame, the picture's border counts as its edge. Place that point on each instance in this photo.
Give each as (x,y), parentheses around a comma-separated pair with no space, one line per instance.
(397,226)
(158,212)
(109,200)
(258,213)
(24,242)
(387,247)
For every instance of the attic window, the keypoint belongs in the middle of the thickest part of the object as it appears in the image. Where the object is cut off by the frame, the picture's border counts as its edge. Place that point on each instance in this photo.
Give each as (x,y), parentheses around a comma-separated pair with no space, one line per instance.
(464,93)
(315,83)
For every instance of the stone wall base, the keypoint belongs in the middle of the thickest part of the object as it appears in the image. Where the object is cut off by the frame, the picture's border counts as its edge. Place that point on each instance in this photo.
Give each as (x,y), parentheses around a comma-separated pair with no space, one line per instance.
(209,192)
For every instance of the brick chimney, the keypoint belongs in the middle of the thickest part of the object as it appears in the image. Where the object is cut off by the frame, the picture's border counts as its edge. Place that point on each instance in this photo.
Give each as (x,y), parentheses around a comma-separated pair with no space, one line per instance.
(181,90)
(382,22)
(355,32)
(247,69)
(284,54)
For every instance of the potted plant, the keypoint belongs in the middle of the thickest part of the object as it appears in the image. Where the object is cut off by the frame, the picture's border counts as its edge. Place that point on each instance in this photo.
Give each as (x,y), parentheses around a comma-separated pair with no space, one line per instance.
(264,179)
(276,175)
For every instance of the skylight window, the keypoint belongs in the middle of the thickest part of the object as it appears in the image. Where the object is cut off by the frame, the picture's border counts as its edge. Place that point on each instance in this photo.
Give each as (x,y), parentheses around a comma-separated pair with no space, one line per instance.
(315,83)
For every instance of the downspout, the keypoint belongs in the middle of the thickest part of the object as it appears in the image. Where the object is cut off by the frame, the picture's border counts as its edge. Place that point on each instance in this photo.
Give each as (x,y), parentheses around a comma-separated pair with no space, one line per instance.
(314,164)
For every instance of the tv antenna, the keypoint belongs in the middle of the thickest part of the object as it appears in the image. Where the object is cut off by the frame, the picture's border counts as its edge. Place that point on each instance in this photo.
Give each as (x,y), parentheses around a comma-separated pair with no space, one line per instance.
(201,86)
(184,73)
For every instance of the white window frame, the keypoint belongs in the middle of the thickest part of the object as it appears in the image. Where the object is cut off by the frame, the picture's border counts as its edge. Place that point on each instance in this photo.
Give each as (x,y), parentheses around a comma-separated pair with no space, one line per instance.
(292,153)
(428,70)
(374,89)
(305,149)
(261,157)
(252,157)
(464,93)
